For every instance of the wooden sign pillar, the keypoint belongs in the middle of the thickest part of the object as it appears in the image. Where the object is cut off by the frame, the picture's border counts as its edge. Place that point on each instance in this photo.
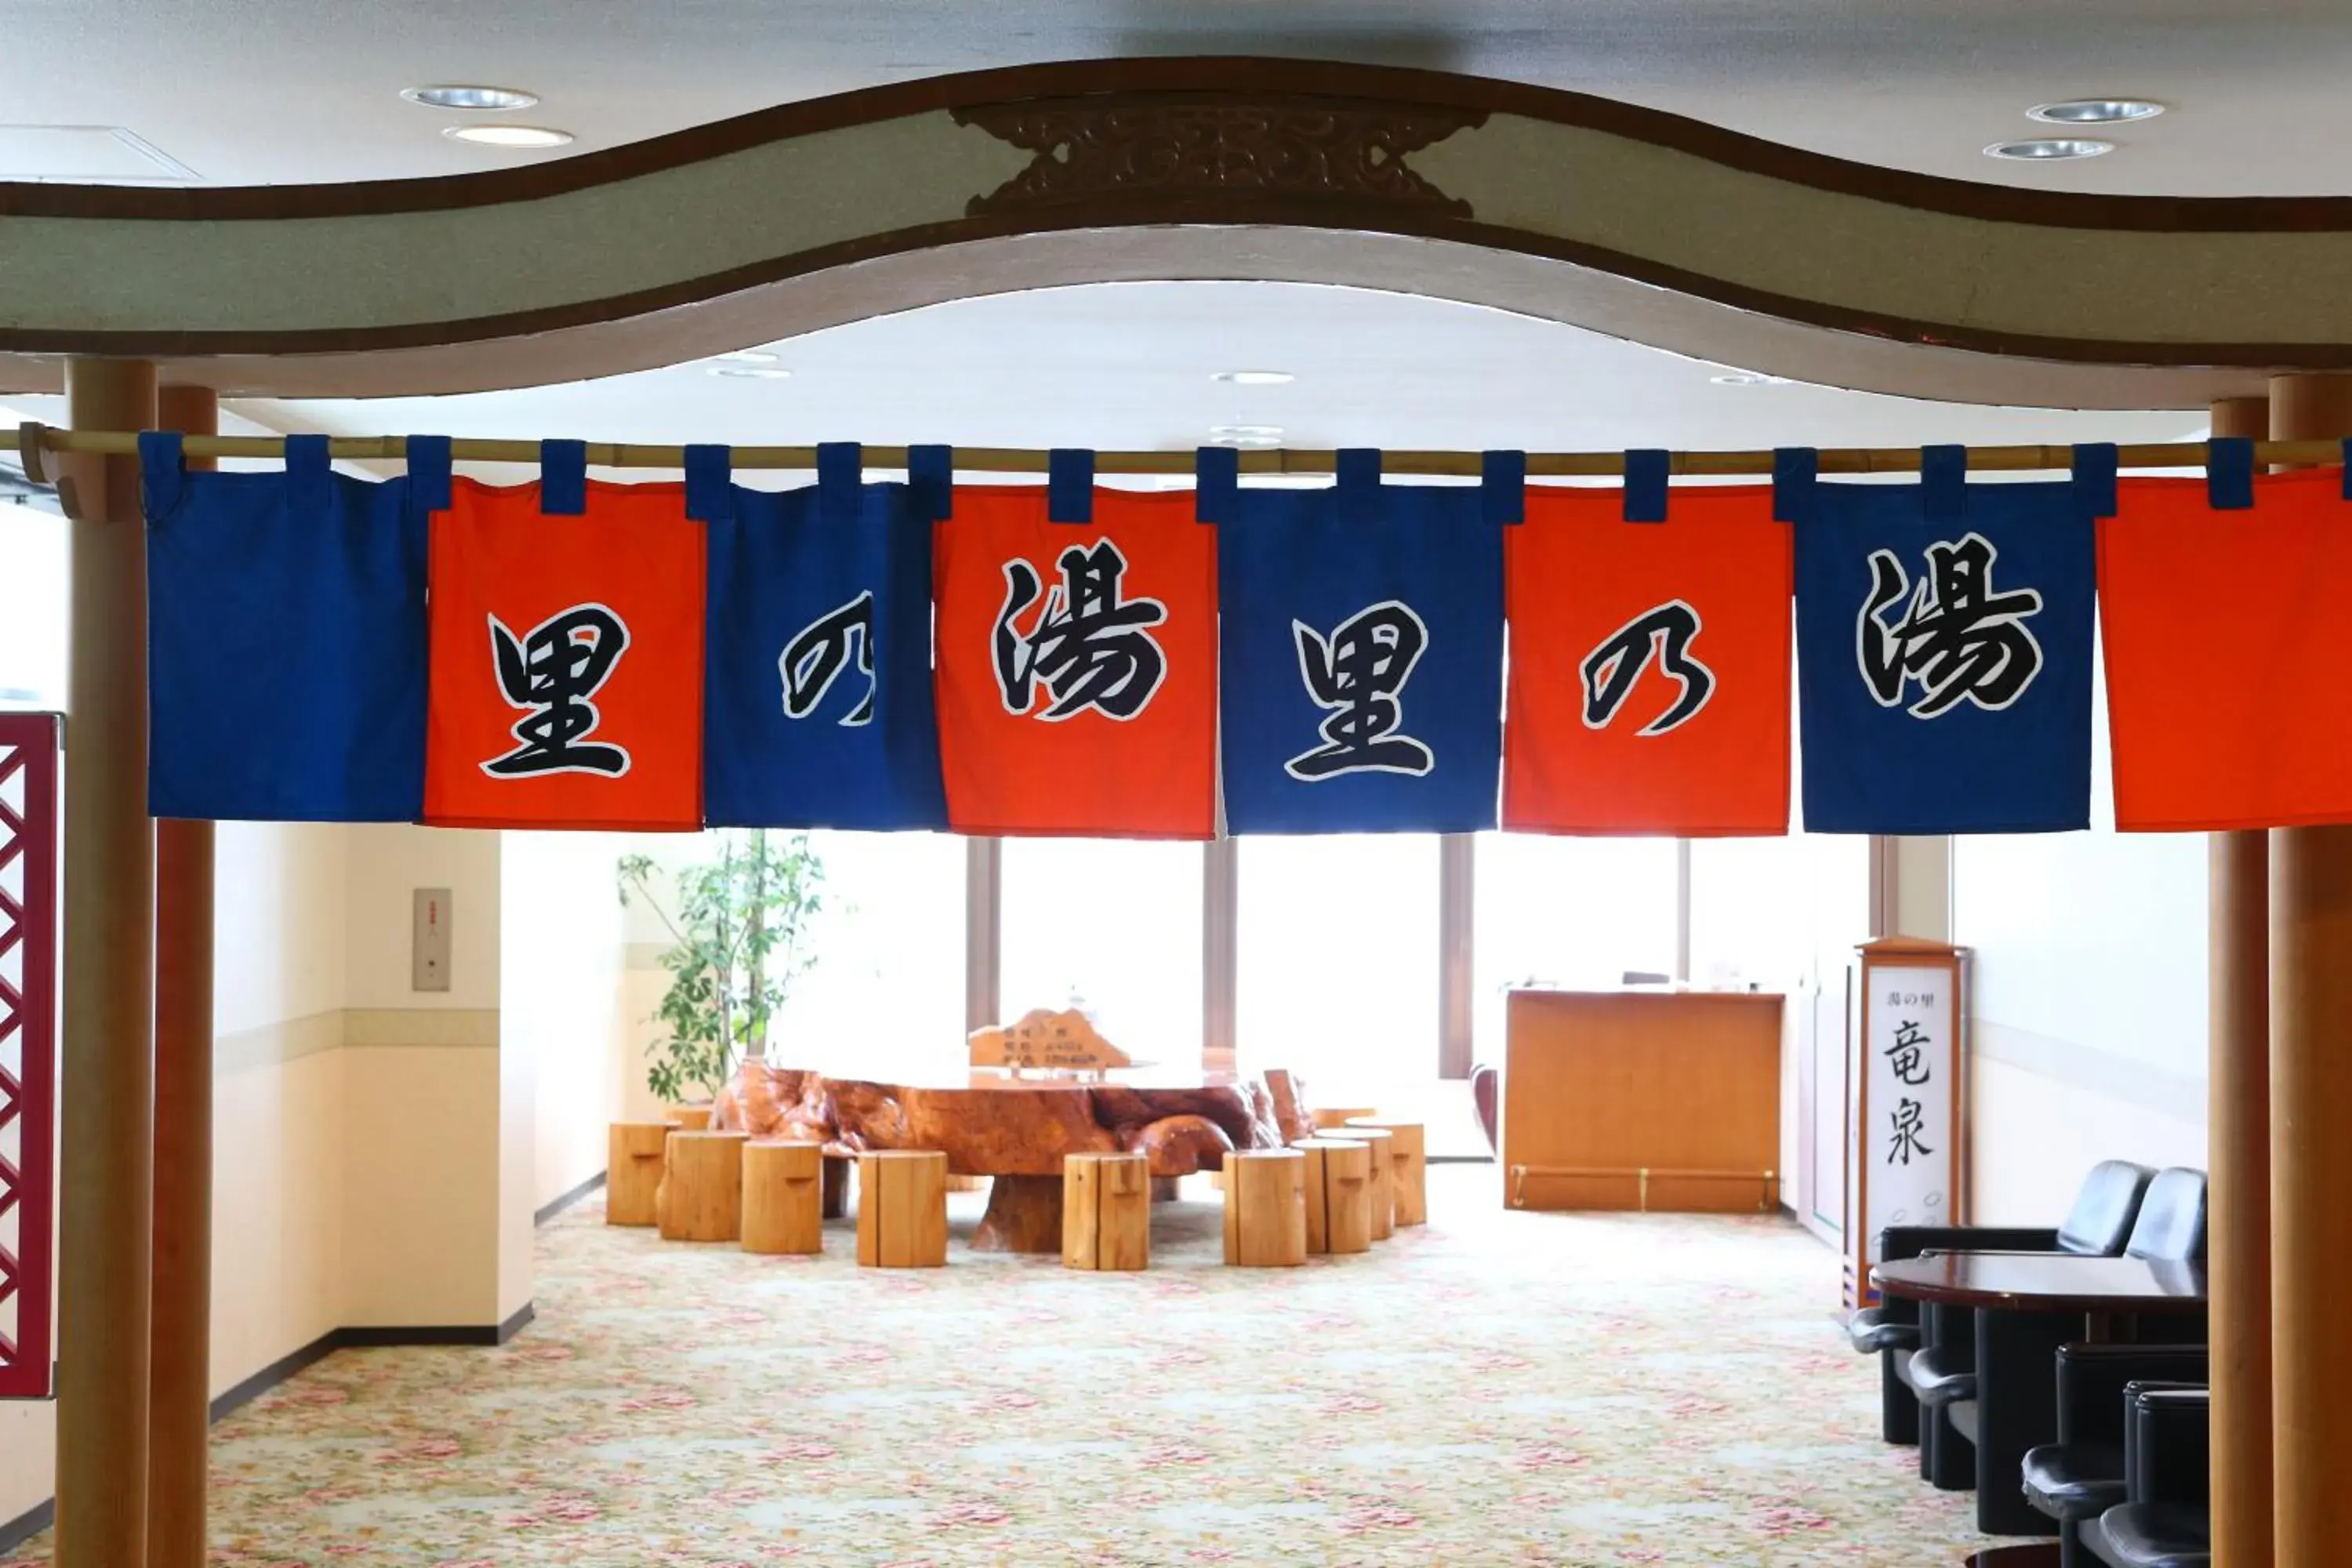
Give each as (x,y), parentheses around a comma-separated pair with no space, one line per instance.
(1906,1134)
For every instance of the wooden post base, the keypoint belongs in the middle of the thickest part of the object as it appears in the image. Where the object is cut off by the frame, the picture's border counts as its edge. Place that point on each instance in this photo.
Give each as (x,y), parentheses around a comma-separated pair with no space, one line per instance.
(702,1194)
(1024,1215)
(1266,1208)
(1168,1189)
(902,1208)
(633,1171)
(781,1184)
(1106,1211)
(1339,1194)
(1408,1167)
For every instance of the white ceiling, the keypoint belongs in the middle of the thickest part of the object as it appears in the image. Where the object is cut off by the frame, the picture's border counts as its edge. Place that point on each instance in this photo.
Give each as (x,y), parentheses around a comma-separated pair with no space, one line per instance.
(1128,366)
(271,91)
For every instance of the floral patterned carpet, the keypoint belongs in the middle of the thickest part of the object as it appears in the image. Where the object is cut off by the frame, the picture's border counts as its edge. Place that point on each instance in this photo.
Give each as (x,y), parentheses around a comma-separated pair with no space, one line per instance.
(1515,1390)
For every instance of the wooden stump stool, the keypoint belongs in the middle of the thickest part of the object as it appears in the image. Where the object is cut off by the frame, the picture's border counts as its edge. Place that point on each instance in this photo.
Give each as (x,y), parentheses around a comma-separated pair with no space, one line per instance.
(1383,1182)
(1106,1211)
(702,1193)
(1332,1118)
(902,1208)
(1408,1167)
(693,1117)
(633,1171)
(782,1196)
(1266,1208)
(1340,1195)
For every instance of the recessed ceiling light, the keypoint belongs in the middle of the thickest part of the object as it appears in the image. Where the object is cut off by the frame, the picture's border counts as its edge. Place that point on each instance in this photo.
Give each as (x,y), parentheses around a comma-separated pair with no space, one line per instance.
(2096,110)
(1246,434)
(1255,377)
(751,371)
(2051,150)
(746,356)
(455,95)
(1748,378)
(511,136)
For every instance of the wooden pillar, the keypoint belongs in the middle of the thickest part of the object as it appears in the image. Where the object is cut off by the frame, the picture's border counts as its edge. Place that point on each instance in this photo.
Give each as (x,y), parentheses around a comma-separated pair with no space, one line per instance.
(2238,1123)
(2311,1105)
(179,1383)
(105,1157)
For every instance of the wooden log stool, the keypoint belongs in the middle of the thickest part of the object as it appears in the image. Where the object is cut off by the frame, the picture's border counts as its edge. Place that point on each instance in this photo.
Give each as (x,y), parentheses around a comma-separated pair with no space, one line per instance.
(633,1171)
(1106,1211)
(1408,1167)
(782,1184)
(902,1208)
(693,1117)
(1266,1208)
(1384,1180)
(701,1196)
(1339,1194)
(1330,1119)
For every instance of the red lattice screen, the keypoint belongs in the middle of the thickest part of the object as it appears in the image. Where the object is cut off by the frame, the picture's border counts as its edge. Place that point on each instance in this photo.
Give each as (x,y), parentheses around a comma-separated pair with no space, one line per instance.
(29,957)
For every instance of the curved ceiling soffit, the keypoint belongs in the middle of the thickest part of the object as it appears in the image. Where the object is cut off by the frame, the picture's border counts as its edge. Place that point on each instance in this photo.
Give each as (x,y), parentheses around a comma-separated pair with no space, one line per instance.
(1556,205)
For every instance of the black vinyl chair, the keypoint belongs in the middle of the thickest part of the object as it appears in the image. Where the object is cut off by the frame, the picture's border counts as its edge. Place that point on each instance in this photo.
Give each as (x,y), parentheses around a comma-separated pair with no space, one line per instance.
(2166,1520)
(2081,1476)
(2018,1348)
(2099,1224)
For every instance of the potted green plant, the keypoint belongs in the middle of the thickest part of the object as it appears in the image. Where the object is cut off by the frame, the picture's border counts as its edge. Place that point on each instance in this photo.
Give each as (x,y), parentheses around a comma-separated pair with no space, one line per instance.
(739,928)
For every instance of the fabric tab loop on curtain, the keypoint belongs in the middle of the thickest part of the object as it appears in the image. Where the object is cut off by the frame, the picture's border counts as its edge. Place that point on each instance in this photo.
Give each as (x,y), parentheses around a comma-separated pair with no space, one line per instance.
(1795,471)
(1646,471)
(1503,488)
(1357,478)
(840,469)
(160,471)
(1216,484)
(428,473)
(931,476)
(1069,485)
(307,471)
(1943,483)
(2095,478)
(2229,473)
(563,478)
(710,483)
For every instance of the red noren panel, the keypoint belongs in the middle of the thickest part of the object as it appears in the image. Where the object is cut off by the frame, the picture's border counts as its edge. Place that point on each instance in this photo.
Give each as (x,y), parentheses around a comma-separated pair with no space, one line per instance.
(28,925)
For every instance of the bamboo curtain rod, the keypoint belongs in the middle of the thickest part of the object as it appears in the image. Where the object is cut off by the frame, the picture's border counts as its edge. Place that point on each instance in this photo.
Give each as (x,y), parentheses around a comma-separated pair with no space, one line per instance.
(1015,460)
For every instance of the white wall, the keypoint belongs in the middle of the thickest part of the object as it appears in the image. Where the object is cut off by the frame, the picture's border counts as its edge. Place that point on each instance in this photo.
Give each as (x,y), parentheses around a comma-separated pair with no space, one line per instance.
(2089,991)
(565,1012)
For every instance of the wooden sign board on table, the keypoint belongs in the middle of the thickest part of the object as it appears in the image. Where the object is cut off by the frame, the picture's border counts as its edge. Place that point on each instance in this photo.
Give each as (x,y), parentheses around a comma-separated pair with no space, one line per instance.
(1048,1041)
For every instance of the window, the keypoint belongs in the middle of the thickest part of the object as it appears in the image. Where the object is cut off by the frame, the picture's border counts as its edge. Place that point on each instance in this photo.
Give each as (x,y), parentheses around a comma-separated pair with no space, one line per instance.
(1574,912)
(1112,926)
(33,598)
(1339,960)
(886,998)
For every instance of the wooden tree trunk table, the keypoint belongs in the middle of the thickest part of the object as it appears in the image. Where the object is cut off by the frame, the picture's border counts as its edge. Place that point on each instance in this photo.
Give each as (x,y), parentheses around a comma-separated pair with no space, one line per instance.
(781,1197)
(1016,1132)
(1106,1212)
(1408,1166)
(1382,1185)
(902,1208)
(633,1171)
(1339,1192)
(702,1194)
(1266,1208)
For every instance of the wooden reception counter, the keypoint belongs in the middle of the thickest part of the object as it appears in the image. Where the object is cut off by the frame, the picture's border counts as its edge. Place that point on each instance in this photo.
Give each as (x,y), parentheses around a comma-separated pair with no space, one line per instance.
(1643,1100)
